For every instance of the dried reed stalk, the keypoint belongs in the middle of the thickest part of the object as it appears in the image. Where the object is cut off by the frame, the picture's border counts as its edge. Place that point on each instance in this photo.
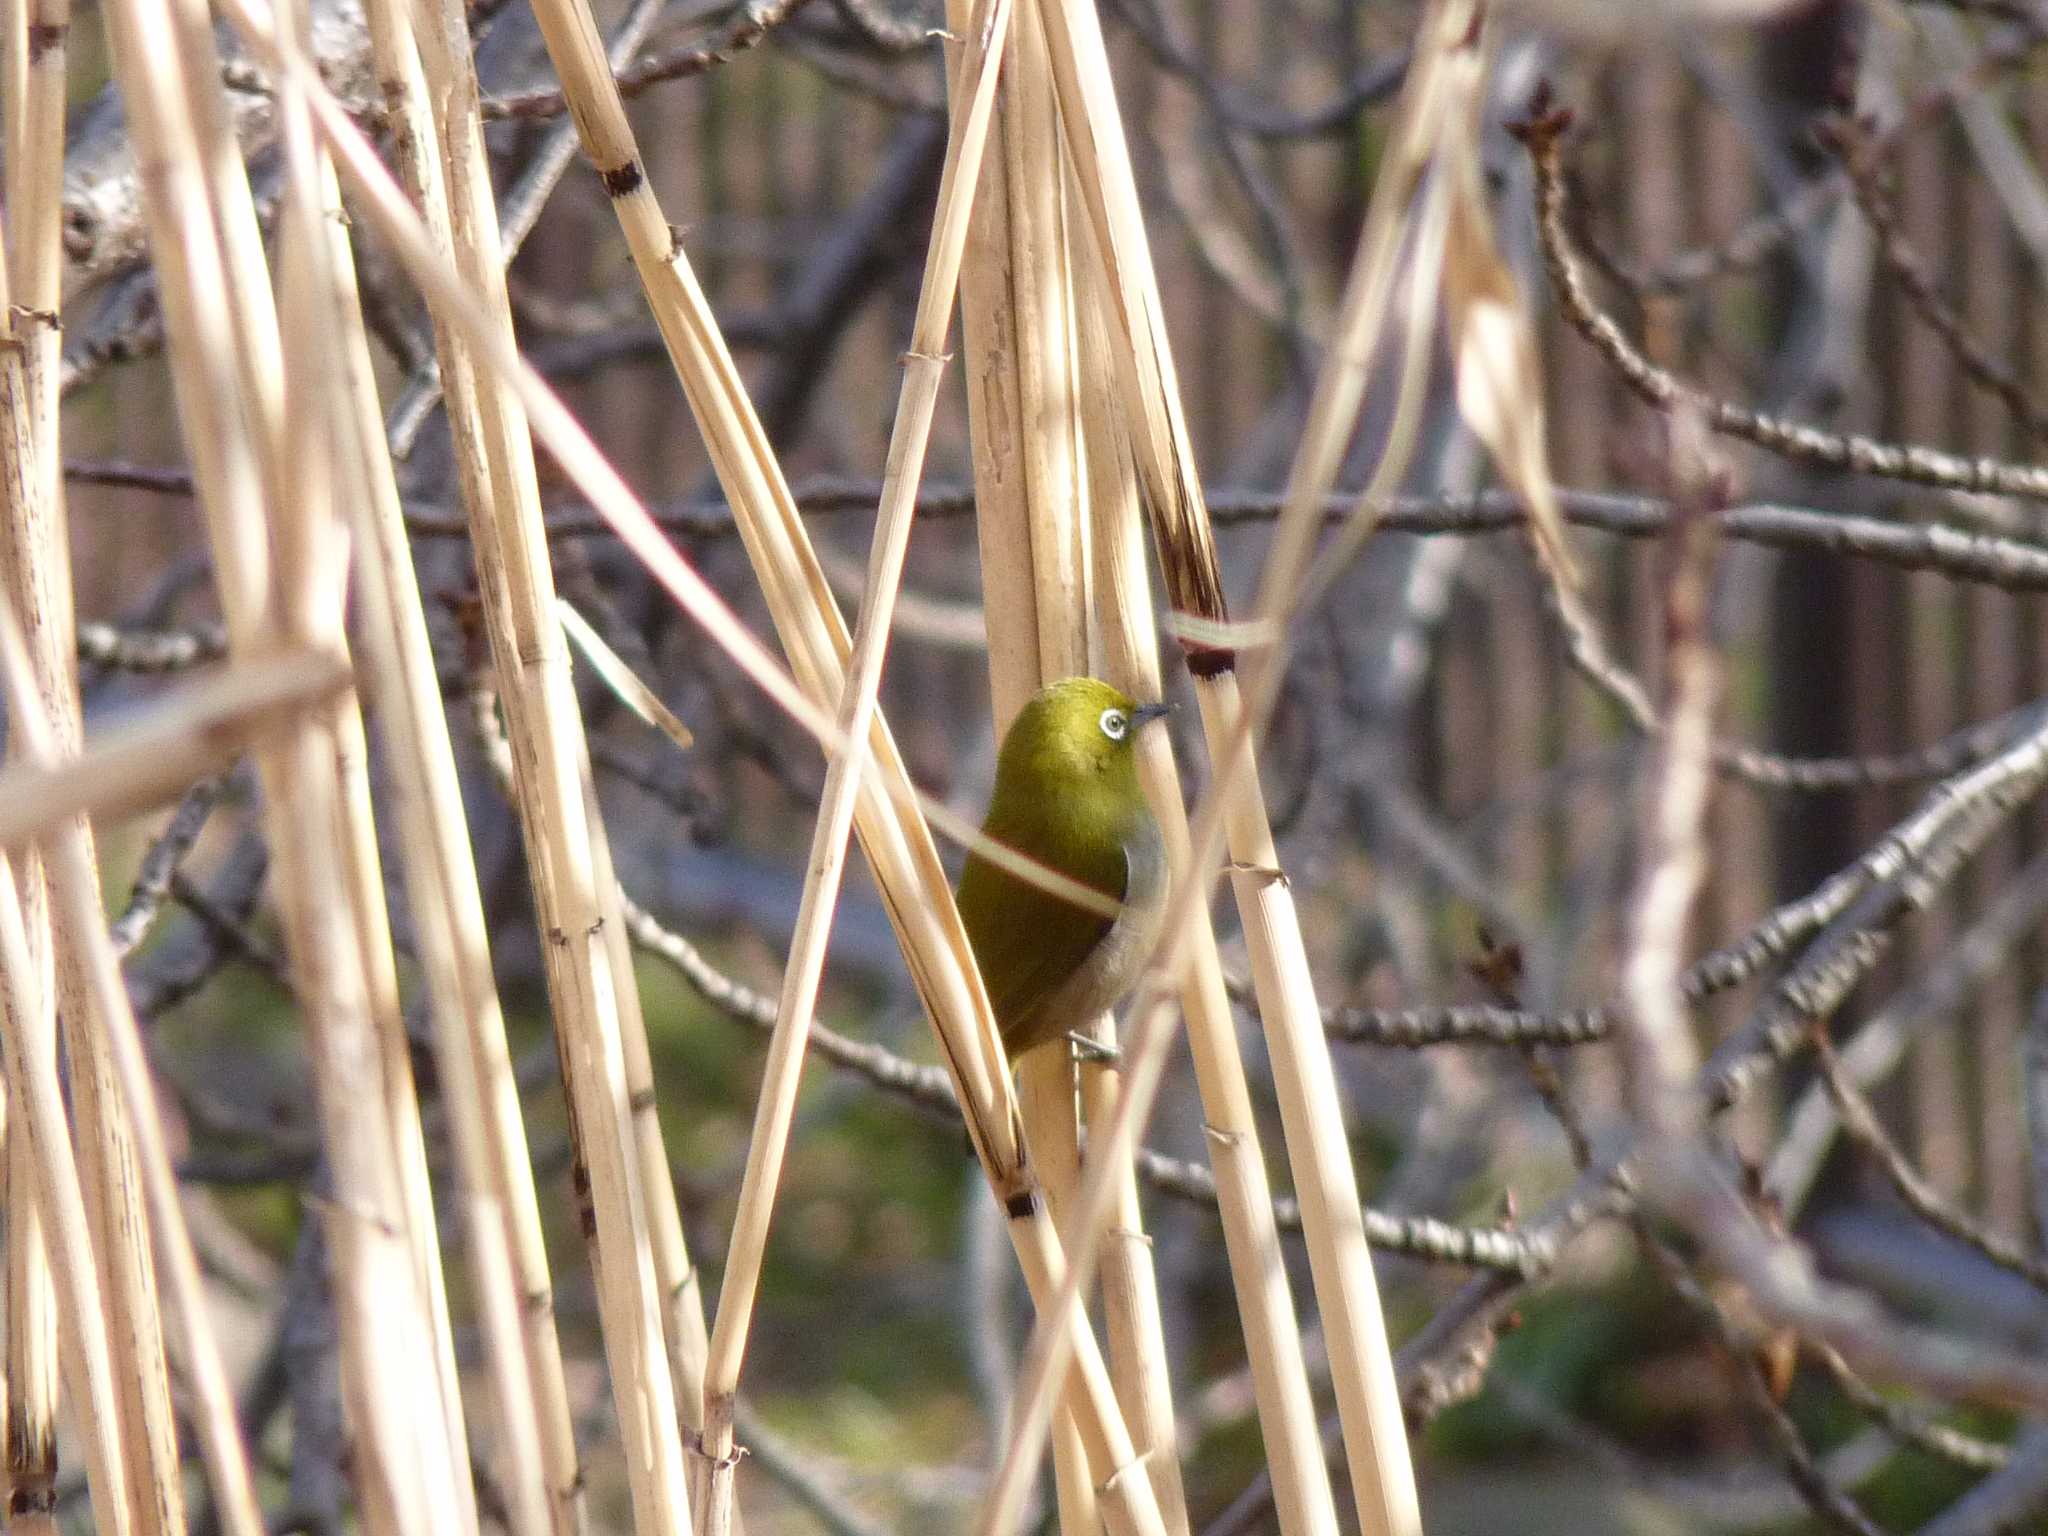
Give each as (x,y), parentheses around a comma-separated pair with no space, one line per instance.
(1031,457)
(680,1297)
(574,43)
(1112,1144)
(1499,393)
(194,732)
(28,1403)
(893,833)
(31,1366)
(924,371)
(46,1200)
(38,1127)
(73,879)
(1018,367)
(1294,1454)
(800,602)
(277,577)
(422,745)
(469,1033)
(593,997)
(35,570)
(1311,1108)
(386,1137)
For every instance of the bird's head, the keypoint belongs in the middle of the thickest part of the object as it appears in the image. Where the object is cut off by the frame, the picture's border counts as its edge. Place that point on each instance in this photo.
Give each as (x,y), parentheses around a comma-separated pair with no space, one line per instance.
(1076,737)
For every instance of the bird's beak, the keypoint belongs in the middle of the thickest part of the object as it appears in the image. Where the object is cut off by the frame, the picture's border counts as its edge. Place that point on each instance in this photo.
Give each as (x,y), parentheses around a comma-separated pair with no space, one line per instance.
(1146,712)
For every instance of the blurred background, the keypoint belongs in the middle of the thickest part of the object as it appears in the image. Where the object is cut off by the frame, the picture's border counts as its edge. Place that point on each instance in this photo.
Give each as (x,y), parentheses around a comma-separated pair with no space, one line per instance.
(1836,214)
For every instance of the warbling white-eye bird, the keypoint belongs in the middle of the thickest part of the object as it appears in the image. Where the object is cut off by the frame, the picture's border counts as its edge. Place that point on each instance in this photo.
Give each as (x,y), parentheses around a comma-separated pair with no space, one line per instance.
(1067,797)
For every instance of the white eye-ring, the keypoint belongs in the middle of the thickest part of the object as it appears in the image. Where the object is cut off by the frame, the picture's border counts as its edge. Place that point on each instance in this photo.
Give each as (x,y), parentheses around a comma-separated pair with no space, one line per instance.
(1115,723)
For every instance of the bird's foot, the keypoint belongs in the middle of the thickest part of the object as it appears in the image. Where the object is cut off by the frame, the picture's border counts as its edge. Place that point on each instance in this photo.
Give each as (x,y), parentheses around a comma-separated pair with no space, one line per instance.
(1090,1052)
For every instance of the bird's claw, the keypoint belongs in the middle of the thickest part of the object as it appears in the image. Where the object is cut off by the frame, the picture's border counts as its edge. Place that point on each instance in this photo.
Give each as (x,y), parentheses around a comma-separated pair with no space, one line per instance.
(1090,1052)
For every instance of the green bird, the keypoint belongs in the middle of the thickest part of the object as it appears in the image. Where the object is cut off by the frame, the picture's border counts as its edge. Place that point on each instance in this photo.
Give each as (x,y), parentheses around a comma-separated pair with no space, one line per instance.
(1066,796)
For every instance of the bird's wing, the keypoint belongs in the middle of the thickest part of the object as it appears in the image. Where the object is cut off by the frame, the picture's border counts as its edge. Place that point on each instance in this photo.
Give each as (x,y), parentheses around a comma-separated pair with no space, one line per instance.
(1028,941)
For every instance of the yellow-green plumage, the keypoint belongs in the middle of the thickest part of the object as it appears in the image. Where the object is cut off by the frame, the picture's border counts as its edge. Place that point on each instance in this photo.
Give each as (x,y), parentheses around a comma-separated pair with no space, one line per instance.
(1067,796)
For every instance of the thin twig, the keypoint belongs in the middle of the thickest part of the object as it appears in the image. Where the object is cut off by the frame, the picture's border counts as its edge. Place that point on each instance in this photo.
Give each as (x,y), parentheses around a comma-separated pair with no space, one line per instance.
(1965,554)
(1911,1426)
(160,862)
(1851,140)
(1657,386)
(151,651)
(756,19)
(1861,1123)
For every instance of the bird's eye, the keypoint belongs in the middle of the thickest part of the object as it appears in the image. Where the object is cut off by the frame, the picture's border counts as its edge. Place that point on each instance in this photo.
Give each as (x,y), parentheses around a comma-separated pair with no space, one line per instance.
(1114,723)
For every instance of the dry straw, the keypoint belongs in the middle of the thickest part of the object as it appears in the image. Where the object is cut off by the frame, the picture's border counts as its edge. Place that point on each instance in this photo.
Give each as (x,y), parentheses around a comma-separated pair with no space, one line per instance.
(1265,1303)
(500,1211)
(1443,81)
(1032,460)
(269,515)
(1433,161)
(1018,370)
(74,883)
(47,1199)
(35,567)
(595,1003)
(38,1126)
(924,366)
(1130,297)
(456,956)
(29,1405)
(1312,1116)
(172,743)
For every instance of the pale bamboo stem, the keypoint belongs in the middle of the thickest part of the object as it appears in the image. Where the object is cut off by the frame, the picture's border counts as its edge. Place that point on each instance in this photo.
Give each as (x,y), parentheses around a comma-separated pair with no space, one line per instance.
(1034,455)
(30,1053)
(540,707)
(35,556)
(451,865)
(362,1065)
(1130,1295)
(333,314)
(74,883)
(31,1363)
(1032,510)
(195,732)
(35,39)
(1130,1309)
(1124,1494)
(1128,292)
(44,1198)
(1251,1239)
(447,916)
(924,371)
(800,600)
(35,568)
(1311,1108)
(1361,1362)
(1051,1339)
(1112,1145)
(1360,320)
(572,39)
(363,876)
(225,349)
(32,1367)
(1052,1132)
